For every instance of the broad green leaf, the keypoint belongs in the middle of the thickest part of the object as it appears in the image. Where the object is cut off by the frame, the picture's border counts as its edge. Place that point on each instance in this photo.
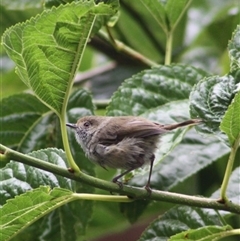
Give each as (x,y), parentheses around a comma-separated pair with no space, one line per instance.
(210,99)
(231,121)
(20,114)
(29,125)
(167,15)
(174,11)
(226,18)
(179,219)
(79,104)
(25,209)
(207,233)
(156,9)
(12,84)
(152,88)
(48,48)
(65,223)
(138,25)
(206,45)
(17,178)
(234,49)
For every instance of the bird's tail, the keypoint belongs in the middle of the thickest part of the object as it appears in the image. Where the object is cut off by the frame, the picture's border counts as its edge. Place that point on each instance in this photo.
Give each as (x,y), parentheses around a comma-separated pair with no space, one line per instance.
(181,124)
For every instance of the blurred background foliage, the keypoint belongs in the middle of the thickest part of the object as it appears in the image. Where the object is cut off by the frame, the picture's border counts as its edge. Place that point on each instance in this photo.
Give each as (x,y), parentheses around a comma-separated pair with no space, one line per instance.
(200,40)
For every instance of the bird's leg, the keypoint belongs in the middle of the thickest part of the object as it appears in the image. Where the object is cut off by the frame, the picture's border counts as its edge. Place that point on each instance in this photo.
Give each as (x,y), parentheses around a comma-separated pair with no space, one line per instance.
(115,179)
(147,187)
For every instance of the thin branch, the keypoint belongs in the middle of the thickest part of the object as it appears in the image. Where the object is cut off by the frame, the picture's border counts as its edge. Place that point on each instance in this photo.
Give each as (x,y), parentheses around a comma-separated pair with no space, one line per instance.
(127,50)
(133,192)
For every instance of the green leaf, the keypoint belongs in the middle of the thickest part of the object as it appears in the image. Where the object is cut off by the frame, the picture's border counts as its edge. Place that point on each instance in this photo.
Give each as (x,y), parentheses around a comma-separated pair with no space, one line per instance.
(70,220)
(167,15)
(25,209)
(17,178)
(29,125)
(157,10)
(231,121)
(20,114)
(234,49)
(210,99)
(48,48)
(79,104)
(152,88)
(207,233)
(12,84)
(174,10)
(179,219)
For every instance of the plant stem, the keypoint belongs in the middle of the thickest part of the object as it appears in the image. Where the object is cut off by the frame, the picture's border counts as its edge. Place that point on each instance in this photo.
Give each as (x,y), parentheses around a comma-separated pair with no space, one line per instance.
(125,49)
(70,159)
(169,35)
(228,233)
(181,15)
(101,104)
(229,169)
(168,55)
(105,198)
(134,192)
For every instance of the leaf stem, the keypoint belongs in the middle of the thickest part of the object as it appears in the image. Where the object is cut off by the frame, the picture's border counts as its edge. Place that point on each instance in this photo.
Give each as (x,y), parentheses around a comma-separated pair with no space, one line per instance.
(228,233)
(66,145)
(133,192)
(229,168)
(99,197)
(169,35)
(120,46)
(181,15)
(168,55)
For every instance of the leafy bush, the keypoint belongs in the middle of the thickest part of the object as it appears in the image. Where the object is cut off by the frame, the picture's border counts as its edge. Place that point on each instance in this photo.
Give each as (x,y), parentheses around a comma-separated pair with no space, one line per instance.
(163,60)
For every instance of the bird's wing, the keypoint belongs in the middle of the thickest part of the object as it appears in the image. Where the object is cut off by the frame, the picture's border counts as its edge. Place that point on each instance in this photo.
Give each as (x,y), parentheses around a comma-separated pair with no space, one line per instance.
(131,127)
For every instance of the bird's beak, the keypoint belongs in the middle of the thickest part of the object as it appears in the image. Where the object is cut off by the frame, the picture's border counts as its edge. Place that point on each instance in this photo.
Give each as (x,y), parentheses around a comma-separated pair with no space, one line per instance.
(74,126)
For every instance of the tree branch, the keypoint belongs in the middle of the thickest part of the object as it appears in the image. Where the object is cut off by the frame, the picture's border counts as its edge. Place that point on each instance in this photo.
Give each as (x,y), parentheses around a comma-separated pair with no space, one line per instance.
(131,192)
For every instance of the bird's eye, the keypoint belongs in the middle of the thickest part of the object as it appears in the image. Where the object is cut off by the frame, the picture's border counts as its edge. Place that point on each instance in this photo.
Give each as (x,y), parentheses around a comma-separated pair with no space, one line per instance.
(86,124)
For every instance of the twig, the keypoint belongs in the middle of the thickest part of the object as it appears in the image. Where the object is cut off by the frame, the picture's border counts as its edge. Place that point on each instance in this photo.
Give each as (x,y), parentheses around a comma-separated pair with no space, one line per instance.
(133,192)
(120,46)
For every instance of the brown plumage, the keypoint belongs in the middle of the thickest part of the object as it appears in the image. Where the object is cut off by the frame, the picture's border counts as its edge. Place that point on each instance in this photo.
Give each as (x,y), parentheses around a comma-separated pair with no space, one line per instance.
(125,142)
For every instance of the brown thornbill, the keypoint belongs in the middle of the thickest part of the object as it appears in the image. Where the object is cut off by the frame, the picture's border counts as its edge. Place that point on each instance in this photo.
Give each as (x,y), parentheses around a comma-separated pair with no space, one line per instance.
(125,142)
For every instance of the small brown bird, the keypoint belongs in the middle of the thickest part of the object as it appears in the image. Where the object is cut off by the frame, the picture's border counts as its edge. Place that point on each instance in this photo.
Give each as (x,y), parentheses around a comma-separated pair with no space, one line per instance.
(125,142)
